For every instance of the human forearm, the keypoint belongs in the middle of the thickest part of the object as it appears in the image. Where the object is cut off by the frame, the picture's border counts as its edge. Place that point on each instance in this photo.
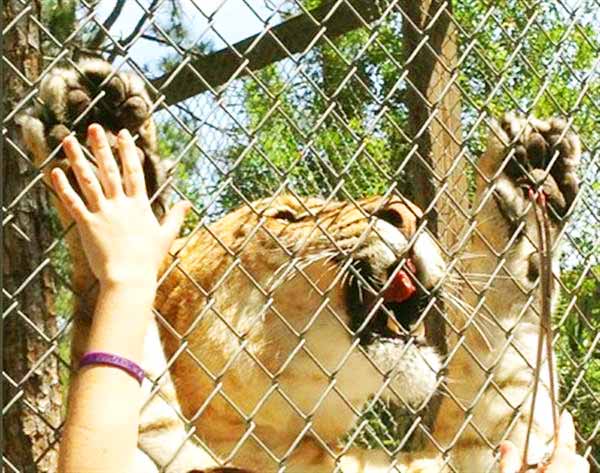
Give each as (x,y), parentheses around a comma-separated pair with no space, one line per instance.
(124,244)
(104,402)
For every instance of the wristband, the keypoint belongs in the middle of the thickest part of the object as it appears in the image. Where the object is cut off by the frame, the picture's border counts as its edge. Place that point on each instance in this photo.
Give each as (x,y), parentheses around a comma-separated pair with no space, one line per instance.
(101,358)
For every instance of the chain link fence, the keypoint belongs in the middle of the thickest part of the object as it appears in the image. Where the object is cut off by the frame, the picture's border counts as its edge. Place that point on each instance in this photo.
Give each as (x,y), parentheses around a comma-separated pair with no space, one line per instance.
(284,347)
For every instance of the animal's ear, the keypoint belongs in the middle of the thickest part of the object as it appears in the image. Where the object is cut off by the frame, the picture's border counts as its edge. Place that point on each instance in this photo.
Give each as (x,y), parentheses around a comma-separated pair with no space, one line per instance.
(281,213)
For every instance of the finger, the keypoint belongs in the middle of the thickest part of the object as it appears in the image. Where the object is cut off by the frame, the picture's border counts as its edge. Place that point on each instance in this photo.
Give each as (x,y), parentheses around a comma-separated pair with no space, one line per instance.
(173,221)
(566,432)
(510,460)
(108,169)
(84,173)
(133,174)
(567,462)
(581,465)
(68,196)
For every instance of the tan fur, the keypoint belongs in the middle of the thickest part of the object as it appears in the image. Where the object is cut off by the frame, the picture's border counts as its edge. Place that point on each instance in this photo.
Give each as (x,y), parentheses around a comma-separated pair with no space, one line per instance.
(258,331)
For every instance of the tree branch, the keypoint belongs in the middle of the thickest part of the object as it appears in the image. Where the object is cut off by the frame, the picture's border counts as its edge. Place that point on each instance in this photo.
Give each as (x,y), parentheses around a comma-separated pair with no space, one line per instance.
(107,25)
(295,34)
(140,23)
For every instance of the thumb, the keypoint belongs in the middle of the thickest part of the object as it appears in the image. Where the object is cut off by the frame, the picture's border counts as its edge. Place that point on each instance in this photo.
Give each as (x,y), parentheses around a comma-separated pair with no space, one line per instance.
(566,432)
(172,222)
(564,459)
(564,449)
(510,460)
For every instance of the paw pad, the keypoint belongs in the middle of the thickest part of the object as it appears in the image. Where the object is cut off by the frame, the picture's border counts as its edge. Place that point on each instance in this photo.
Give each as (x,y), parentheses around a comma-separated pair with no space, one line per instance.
(538,146)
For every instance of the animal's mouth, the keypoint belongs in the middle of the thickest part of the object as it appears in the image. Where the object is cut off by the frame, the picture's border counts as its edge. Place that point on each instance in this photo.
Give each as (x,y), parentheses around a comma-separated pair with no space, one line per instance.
(386,311)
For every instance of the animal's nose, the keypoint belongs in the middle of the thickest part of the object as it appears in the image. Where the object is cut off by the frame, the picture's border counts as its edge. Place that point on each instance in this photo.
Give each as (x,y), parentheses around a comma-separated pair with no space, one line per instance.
(401,216)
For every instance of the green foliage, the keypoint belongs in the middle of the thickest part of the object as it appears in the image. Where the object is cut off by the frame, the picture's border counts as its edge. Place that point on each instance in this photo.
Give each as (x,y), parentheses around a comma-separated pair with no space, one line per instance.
(388,426)
(59,17)
(64,301)
(578,351)
(260,159)
(179,147)
(295,136)
(539,67)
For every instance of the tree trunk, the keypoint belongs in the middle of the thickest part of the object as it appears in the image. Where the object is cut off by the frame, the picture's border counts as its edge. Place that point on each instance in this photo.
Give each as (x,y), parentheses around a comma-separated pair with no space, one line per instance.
(433,101)
(436,170)
(30,388)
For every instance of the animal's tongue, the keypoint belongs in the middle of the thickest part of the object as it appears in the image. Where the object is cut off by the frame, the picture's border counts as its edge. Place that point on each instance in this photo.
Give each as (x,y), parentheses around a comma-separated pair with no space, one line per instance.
(401,288)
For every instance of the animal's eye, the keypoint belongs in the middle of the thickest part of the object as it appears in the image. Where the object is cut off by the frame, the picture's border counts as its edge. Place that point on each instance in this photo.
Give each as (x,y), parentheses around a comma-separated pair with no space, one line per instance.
(390,216)
(285,215)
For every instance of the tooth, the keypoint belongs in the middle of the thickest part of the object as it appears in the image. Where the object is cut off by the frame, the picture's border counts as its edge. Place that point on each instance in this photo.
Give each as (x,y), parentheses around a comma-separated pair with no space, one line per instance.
(418,331)
(393,325)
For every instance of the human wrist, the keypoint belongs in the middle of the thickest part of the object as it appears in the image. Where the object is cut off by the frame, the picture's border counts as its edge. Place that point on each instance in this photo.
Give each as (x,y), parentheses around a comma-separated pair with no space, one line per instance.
(140,284)
(130,302)
(121,319)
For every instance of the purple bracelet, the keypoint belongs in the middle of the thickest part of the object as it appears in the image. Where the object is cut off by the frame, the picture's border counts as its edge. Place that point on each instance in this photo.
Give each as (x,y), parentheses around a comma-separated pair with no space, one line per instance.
(101,358)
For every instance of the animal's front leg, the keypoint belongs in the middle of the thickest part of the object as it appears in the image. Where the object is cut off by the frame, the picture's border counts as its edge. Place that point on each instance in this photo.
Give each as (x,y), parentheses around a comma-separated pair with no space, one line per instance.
(491,373)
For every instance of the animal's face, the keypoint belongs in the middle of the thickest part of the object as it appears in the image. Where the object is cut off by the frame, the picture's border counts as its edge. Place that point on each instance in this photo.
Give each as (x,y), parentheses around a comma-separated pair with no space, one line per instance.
(334,290)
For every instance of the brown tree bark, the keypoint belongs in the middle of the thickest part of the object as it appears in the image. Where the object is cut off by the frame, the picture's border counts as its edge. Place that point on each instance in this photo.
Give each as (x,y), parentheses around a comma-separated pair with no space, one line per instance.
(30,386)
(433,101)
(436,171)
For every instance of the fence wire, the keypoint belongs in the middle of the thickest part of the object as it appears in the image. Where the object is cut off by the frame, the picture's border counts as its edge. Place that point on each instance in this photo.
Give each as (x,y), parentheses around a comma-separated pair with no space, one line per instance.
(280,121)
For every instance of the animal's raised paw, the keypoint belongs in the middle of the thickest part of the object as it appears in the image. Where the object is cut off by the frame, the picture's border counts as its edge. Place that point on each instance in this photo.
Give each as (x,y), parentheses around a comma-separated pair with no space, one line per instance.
(543,153)
(91,91)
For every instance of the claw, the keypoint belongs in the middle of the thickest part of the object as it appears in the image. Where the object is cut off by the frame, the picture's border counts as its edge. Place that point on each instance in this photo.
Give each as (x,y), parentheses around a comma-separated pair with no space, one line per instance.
(540,196)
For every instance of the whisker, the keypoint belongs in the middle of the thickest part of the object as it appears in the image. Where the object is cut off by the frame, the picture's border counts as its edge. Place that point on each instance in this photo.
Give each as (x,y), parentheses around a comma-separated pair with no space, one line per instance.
(294,265)
(471,319)
(487,275)
(457,283)
(476,311)
(469,256)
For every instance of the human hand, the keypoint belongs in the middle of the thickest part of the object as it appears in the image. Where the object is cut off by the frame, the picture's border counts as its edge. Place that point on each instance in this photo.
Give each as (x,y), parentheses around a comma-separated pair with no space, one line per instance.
(121,237)
(564,459)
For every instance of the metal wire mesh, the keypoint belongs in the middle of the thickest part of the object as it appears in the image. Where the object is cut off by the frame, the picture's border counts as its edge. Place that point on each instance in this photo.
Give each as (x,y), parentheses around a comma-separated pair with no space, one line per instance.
(340,100)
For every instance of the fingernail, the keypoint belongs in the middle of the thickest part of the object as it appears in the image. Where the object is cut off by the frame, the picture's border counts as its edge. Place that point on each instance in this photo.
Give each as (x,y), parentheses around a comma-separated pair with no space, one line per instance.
(124,134)
(95,129)
(55,178)
(69,141)
(566,419)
